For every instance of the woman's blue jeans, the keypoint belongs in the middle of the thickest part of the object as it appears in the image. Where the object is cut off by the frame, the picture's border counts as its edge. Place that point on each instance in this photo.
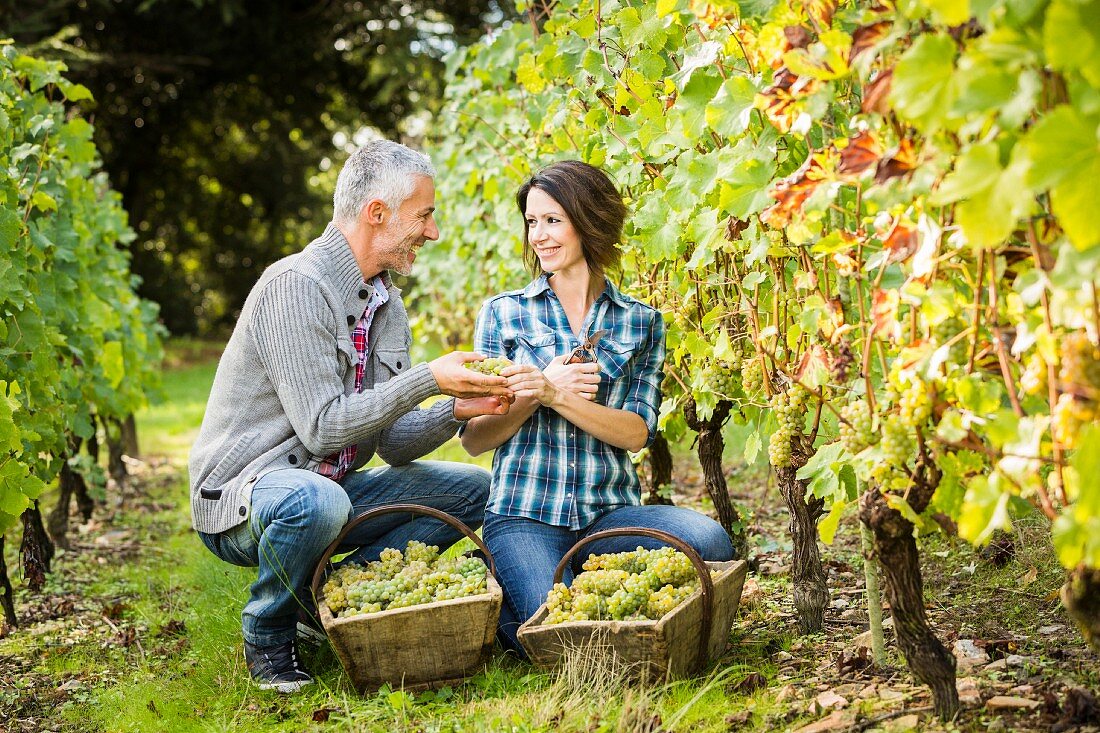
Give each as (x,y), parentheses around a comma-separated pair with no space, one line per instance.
(527,552)
(296,514)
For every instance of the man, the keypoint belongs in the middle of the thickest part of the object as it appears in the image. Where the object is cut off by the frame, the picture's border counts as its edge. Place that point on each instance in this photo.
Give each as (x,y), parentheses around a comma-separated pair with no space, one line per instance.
(314,381)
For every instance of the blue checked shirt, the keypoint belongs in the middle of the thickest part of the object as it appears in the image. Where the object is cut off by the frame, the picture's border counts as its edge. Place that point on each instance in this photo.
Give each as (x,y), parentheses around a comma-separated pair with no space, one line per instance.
(551,470)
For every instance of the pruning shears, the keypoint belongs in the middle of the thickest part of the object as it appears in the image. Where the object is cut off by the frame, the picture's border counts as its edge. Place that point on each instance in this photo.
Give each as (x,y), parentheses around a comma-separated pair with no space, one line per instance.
(586,352)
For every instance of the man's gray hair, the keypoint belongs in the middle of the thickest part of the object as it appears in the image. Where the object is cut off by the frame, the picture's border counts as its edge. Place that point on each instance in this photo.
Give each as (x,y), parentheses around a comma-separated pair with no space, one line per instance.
(381,169)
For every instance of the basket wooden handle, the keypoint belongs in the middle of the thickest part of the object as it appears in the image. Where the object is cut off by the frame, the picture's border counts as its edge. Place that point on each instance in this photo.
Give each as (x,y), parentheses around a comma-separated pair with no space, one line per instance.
(319,573)
(705,583)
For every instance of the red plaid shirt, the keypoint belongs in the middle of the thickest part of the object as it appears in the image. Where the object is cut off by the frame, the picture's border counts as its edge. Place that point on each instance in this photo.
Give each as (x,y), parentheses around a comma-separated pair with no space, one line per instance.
(337,465)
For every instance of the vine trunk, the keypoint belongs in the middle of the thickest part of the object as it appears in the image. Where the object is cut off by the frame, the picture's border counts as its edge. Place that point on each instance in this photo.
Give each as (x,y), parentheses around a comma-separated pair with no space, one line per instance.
(37,549)
(710,447)
(660,470)
(897,554)
(1081,597)
(811,592)
(6,600)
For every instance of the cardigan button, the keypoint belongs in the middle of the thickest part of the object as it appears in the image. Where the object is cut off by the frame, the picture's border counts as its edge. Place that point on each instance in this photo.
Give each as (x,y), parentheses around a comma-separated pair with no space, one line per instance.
(292,459)
(398,365)
(242,511)
(351,320)
(363,293)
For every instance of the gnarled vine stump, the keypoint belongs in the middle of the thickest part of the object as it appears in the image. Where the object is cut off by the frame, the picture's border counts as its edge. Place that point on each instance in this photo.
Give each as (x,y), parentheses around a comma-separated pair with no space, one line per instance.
(896,550)
(811,591)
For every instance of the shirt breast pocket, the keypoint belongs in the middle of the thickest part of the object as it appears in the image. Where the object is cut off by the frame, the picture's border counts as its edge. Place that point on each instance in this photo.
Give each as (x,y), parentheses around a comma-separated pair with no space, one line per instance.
(614,357)
(537,349)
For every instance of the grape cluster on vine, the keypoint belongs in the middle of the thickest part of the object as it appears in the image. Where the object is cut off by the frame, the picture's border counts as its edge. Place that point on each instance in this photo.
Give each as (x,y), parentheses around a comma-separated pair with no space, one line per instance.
(857,426)
(1079,383)
(624,586)
(752,376)
(790,411)
(721,377)
(398,580)
(493,365)
(898,446)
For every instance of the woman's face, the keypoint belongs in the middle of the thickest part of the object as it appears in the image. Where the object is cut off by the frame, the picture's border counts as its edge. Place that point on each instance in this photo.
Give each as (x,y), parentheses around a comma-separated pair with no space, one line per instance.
(551,235)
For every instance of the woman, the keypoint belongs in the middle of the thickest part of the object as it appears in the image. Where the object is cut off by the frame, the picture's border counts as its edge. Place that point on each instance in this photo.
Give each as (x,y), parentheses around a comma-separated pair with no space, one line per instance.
(562,468)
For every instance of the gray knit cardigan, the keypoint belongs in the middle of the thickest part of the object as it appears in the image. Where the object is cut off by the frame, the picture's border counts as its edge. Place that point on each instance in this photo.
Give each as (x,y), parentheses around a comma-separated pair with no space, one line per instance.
(284,392)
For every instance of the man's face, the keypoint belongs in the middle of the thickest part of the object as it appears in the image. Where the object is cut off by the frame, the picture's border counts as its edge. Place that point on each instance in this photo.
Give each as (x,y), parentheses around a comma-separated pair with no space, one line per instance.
(409,228)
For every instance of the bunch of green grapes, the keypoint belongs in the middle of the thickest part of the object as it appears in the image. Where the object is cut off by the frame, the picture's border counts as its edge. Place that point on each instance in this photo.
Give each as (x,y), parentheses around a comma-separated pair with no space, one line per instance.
(493,365)
(790,411)
(1069,418)
(1034,377)
(857,430)
(915,404)
(898,445)
(1079,373)
(752,376)
(721,377)
(399,580)
(642,584)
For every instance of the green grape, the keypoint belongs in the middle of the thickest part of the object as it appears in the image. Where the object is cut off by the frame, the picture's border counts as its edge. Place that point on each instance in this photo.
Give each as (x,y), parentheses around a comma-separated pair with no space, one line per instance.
(401,580)
(493,365)
(752,376)
(1034,378)
(790,411)
(915,405)
(1079,373)
(857,432)
(897,447)
(642,584)
(1069,417)
(720,378)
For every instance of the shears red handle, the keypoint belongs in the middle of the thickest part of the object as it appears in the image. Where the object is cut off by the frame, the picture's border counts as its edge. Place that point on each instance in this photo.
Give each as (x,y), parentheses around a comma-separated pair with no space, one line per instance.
(586,352)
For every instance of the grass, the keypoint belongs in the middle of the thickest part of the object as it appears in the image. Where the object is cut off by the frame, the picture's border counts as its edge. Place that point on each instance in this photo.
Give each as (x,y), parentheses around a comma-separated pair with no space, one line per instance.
(139,630)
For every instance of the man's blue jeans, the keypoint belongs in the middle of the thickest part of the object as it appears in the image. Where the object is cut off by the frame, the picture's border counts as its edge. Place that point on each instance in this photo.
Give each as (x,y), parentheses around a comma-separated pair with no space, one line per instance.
(527,552)
(296,514)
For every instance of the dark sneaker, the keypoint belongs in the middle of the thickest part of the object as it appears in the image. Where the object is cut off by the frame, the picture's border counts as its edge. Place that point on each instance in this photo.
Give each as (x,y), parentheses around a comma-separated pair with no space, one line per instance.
(310,630)
(277,667)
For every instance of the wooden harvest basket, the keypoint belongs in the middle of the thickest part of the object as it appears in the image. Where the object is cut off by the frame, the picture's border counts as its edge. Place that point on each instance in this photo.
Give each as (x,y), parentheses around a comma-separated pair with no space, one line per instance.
(417,647)
(676,645)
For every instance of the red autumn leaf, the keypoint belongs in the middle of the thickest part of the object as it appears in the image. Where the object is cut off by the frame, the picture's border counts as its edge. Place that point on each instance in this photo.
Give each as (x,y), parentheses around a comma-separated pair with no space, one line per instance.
(734,227)
(861,153)
(791,192)
(900,163)
(884,314)
(901,242)
(874,94)
(866,36)
(786,89)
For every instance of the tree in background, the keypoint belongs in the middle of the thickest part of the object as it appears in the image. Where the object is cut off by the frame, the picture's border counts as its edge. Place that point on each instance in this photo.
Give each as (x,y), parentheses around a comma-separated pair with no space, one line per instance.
(216,120)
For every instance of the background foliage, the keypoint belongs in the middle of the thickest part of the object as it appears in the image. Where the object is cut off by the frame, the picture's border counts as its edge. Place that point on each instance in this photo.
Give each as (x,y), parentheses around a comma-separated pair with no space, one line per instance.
(75,341)
(216,119)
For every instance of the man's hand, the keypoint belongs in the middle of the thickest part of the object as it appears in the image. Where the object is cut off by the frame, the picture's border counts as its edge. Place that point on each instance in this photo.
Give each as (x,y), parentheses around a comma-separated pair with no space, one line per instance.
(579,377)
(466,409)
(456,380)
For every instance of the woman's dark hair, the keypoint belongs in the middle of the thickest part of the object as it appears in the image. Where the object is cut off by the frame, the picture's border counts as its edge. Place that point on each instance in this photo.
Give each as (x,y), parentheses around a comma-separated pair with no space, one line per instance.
(592,204)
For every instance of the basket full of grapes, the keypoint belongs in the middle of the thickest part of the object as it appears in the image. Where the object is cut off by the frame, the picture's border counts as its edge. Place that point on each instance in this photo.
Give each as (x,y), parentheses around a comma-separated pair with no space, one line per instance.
(658,613)
(412,618)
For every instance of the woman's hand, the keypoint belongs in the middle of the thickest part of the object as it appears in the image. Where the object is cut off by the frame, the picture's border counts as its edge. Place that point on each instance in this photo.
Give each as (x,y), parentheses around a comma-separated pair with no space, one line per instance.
(525,380)
(545,386)
(580,378)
